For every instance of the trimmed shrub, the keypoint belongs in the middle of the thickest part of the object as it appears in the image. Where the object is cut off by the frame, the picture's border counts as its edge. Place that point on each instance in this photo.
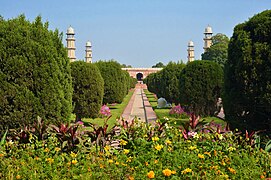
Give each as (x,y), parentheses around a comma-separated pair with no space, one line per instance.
(200,86)
(115,87)
(88,89)
(247,97)
(35,74)
(169,83)
(153,82)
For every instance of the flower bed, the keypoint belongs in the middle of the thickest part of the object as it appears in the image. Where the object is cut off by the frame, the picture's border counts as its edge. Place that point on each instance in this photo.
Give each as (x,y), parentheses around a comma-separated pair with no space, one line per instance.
(145,152)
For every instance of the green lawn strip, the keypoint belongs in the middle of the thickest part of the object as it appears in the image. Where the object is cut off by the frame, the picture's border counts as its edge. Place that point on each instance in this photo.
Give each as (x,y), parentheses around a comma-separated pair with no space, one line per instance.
(116,111)
(161,113)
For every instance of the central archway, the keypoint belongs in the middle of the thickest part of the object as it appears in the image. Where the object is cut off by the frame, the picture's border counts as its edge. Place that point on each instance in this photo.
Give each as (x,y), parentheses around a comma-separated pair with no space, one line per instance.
(139,76)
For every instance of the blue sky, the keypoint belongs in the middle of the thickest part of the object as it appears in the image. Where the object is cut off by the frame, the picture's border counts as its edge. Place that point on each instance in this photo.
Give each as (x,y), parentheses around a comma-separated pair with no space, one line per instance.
(138,32)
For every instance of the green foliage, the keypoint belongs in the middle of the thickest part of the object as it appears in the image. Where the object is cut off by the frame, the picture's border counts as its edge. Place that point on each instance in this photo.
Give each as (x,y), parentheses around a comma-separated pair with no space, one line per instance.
(218,52)
(200,86)
(115,81)
(158,65)
(169,82)
(247,98)
(153,82)
(160,151)
(35,74)
(88,87)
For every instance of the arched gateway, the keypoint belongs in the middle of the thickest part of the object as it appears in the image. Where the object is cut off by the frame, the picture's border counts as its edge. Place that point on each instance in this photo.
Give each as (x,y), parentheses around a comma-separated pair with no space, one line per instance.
(141,73)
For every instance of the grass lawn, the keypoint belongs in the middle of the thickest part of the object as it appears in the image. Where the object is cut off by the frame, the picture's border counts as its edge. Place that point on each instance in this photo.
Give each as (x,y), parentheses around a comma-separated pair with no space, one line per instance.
(164,112)
(116,111)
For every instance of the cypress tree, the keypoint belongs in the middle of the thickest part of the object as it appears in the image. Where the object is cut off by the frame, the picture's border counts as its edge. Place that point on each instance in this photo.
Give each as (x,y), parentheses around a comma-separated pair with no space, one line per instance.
(34,64)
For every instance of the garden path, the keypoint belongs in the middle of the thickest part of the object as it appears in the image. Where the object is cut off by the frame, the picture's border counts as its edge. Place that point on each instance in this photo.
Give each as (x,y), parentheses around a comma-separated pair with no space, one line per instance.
(139,106)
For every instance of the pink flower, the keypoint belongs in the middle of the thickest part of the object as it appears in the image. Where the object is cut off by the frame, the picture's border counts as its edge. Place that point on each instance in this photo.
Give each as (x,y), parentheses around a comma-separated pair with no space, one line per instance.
(105,110)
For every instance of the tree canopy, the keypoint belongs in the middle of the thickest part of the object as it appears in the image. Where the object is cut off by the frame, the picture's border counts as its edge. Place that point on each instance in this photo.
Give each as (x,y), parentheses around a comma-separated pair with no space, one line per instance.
(35,75)
(88,86)
(158,65)
(200,86)
(247,97)
(218,52)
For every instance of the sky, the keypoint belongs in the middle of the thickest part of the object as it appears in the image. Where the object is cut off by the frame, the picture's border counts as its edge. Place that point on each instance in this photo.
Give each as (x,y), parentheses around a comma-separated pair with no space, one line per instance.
(139,33)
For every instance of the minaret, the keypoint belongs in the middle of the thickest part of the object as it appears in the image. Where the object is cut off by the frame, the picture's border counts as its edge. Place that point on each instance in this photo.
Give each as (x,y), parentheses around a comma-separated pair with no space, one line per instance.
(190,51)
(71,44)
(207,38)
(88,52)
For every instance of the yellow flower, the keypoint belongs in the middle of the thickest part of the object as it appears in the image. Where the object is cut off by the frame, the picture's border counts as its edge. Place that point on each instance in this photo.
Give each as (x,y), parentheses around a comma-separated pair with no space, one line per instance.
(158,147)
(167,172)
(50,160)
(223,163)
(151,175)
(18,177)
(107,148)
(57,149)
(169,149)
(117,163)
(146,163)
(232,170)
(168,142)
(129,159)
(187,170)
(173,172)
(218,172)
(110,161)
(201,156)
(208,153)
(131,178)
(155,138)
(126,151)
(74,161)
(231,149)
(1,155)
(155,161)
(101,166)
(37,158)
(46,150)
(123,142)
(192,148)
(73,155)
(214,167)
(123,164)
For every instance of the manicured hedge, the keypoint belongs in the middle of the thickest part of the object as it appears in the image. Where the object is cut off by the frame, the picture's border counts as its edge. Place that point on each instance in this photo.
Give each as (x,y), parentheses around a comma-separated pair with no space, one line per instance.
(200,86)
(115,81)
(88,87)
(35,76)
(247,97)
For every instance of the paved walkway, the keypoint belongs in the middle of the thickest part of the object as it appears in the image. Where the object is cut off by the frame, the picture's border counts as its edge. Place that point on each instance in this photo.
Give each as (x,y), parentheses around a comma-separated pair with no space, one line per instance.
(139,107)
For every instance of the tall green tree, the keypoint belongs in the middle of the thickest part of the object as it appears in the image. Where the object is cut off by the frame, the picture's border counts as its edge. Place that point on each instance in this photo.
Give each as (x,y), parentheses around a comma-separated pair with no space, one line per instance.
(218,52)
(200,86)
(88,86)
(115,87)
(169,83)
(247,97)
(35,68)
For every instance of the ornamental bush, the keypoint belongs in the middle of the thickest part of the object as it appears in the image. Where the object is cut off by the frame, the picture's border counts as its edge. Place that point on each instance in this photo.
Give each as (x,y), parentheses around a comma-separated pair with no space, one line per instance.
(200,86)
(88,87)
(169,82)
(247,97)
(35,74)
(153,82)
(115,87)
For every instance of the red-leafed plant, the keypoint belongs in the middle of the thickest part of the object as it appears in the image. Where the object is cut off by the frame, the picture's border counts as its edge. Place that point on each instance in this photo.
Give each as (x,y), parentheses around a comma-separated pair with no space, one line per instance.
(68,135)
